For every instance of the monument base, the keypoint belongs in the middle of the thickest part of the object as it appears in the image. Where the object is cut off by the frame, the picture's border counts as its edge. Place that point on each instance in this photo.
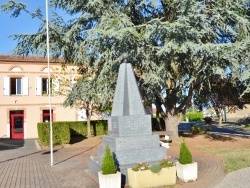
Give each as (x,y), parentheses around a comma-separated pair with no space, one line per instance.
(129,151)
(94,167)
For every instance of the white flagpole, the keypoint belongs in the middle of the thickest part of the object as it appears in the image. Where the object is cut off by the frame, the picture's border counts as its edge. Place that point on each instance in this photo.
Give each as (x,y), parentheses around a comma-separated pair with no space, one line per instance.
(50,110)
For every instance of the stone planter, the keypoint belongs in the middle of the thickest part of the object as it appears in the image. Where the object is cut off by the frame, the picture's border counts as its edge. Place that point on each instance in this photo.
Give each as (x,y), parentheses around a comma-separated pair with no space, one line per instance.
(146,178)
(110,180)
(187,172)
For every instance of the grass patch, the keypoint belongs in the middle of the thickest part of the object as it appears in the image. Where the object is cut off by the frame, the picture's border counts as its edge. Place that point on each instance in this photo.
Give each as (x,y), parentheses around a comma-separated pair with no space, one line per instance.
(234,158)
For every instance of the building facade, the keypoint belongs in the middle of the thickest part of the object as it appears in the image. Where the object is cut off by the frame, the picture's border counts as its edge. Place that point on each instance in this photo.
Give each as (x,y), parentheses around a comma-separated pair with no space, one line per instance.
(24,99)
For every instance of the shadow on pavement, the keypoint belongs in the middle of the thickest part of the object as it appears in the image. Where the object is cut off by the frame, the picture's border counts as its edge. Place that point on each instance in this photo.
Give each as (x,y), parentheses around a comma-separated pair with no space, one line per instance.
(8,144)
(222,138)
(77,138)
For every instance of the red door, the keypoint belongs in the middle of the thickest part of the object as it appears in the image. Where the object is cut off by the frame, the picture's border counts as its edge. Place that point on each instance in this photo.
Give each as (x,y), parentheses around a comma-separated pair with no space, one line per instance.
(16,124)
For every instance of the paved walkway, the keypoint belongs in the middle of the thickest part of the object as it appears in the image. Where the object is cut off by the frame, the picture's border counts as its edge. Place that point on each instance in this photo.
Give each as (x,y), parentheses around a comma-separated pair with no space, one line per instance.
(22,165)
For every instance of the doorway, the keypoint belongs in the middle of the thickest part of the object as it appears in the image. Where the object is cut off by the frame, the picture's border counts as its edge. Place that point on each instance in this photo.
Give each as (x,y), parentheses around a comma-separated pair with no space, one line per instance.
(16,124)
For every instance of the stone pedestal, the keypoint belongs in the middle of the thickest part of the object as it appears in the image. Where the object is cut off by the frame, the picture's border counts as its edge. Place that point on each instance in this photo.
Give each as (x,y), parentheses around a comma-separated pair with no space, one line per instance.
(130,135)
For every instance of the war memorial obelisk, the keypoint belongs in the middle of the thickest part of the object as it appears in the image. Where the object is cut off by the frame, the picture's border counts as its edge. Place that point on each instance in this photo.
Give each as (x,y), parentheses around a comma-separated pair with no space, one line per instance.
(129,128)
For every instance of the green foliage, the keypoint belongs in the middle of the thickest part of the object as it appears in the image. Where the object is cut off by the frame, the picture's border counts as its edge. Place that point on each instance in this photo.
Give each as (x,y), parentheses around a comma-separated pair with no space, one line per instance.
(140,166)
(108,162)
(185,156)
(222,91)
(174,46)
(98,127)
(194,116)
(155,168)
(199,130)
(63,131)
(43,133)
(207,129)
(78,128)
(164,163)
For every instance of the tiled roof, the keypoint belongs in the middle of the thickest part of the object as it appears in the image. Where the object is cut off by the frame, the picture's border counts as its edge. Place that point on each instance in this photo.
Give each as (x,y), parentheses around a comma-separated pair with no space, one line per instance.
(27,58)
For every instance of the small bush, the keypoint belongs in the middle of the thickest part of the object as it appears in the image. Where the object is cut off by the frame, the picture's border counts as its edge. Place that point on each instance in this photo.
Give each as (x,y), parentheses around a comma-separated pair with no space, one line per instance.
(199,130)
(155,168)
(207,129)
(108,162)
(164,163)
(185,156)
(194,116)
(140,166)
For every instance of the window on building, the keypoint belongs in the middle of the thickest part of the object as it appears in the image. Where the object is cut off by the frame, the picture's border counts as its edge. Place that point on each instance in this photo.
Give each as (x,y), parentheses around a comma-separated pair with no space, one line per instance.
(45,85)
(16,86)
(46,115)
(42,86)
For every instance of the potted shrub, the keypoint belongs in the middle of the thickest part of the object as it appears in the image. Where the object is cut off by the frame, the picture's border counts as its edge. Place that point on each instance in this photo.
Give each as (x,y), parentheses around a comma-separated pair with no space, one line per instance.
(187,169)
(142,175)
(109,176)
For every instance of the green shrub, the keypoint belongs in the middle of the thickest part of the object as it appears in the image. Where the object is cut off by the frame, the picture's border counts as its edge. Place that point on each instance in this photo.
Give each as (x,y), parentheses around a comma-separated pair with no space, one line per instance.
(140,166)
(99,127)
(155,168)
(164,163)
(108,162)
(199,130)
(196,130)
(43,133)
(64,130)
(194,116)
(185,156)
(61,133)
(78,128)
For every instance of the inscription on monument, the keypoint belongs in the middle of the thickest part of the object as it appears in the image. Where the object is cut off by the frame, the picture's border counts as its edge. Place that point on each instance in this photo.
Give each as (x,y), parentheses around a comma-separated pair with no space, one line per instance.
(114,122)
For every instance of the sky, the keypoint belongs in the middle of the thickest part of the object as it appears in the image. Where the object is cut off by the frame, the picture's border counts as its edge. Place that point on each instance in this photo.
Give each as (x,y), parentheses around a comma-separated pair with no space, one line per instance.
(23,24)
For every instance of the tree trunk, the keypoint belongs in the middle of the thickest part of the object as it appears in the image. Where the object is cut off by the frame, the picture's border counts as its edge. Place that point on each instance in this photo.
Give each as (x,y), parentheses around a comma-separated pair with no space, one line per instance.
(88,127)
(172,123)
(159,127)
(220,120)
(88,114)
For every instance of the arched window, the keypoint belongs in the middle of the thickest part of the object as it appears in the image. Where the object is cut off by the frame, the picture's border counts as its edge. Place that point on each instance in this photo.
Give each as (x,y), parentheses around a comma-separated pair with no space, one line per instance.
(46,69)
(16,69)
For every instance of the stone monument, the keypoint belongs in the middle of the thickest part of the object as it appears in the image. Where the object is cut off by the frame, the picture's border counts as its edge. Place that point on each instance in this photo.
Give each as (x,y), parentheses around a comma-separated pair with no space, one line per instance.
(129,128)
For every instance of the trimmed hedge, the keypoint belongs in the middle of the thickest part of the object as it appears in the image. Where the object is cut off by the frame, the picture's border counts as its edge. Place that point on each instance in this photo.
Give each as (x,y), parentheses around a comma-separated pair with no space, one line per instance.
(63,131)
(194,116)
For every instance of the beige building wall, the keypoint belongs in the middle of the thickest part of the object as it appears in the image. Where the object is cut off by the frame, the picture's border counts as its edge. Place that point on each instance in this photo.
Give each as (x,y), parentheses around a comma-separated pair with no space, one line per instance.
(30,102)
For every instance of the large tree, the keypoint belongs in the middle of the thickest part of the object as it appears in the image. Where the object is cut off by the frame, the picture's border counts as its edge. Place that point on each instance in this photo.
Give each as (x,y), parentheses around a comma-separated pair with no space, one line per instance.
(173,45)
(220,93)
